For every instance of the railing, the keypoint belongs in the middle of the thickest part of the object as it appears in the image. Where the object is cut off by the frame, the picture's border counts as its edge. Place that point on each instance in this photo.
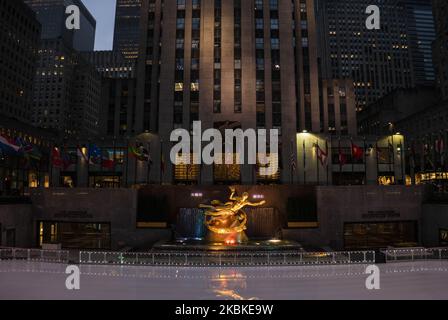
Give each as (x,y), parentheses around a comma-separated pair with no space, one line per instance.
(59,256)
(414,254)
(226,259)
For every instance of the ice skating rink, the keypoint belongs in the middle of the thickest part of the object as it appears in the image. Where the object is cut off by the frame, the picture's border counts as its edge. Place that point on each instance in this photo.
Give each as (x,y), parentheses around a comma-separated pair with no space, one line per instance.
(418,280)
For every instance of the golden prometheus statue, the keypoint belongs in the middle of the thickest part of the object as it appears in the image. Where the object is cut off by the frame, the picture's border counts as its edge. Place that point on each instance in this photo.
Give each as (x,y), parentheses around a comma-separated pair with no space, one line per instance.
(228,220)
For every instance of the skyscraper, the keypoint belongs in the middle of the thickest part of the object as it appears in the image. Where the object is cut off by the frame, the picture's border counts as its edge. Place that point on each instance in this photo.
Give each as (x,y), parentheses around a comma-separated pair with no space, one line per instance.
(67,90)
(440,47)
(421,32)
(19,42)
(248,64)
(127,27)
(378,61)
(51,14)
(117,92)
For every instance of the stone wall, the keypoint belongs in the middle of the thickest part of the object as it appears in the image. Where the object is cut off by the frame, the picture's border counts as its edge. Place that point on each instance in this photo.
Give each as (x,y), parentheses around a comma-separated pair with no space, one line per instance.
(435,217)
(335,206)
(115,206)
(339,205)
(17,217)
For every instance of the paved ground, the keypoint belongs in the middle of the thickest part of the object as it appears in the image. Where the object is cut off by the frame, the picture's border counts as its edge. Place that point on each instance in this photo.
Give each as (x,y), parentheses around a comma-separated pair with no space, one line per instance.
(422,280)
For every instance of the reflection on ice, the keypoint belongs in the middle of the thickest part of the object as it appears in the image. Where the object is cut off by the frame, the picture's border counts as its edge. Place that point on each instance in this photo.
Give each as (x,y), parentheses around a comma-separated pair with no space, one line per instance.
(419,280)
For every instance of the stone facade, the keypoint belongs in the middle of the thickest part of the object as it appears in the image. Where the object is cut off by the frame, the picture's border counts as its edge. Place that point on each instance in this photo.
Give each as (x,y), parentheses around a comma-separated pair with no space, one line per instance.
(333,207)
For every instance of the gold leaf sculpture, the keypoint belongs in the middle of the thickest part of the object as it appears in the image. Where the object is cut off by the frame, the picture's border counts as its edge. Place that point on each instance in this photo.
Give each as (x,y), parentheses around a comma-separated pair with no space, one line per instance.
(228,218)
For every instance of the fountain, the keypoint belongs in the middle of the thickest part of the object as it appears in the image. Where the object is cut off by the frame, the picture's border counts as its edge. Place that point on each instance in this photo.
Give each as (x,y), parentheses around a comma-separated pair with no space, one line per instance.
(227,222)
(224,226)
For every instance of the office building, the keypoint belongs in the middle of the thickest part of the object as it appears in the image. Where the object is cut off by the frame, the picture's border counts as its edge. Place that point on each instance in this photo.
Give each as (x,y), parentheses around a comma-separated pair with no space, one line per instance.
(127,27)
(378,61)
(421,31)
(229,62)
(19,42)
(118,92)
(67,91)
(440,46)
(52,16)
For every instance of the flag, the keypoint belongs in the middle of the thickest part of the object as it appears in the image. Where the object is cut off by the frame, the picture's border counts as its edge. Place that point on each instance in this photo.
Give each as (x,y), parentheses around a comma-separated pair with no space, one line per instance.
(95,156)
(29,150)
(108,164)
(440,149)
(107,161)
(8,145)
(141,153)
(357,152)
(342,157)
(68,159)
(56,158)
(81,154)
(412,157)
(427,155)
(322,155)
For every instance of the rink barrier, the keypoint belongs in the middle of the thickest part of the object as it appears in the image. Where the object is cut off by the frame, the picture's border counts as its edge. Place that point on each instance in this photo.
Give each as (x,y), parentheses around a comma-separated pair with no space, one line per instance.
(189,259)
(35,255)
(415,254)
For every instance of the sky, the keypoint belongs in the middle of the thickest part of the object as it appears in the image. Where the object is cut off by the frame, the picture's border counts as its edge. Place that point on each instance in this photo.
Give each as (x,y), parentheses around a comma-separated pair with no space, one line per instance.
(104,13)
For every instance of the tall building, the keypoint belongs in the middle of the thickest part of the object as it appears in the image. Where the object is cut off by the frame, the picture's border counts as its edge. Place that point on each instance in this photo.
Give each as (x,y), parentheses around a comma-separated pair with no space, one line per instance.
(111,64)
(440,46)
(118,92)
(339,107)
(127,27)
(51,14)
(378,61)
(19,42)
(382,116)
(229,62)
(421,32)
(67,90)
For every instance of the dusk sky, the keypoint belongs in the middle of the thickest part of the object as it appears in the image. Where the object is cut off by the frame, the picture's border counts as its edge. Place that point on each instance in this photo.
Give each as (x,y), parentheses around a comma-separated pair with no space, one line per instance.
(104,13)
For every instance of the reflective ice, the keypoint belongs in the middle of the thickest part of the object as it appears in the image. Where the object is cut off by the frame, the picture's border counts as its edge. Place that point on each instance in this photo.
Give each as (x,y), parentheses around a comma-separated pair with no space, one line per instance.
(418,280)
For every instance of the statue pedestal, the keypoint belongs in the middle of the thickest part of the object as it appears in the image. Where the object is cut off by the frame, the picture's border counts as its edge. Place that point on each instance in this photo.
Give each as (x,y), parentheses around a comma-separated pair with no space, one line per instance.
(227,239)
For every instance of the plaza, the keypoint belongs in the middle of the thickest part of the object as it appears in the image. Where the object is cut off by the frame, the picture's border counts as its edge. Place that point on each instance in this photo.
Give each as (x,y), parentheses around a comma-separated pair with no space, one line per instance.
(43,281)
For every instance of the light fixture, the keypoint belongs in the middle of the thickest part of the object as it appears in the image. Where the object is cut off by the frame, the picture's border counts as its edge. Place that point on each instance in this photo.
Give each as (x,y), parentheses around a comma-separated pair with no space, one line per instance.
(196,195)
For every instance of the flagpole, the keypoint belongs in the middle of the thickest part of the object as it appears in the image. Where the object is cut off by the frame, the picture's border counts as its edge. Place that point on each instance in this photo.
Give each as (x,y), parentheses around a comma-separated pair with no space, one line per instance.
(161,161)
(353,159)
(340,159)
(365,160)
(148,179)
(331,160)
(377,162)
(403,170)
(317,163)
(292,164)
(423,168)
(304,162)
(135,169)
(127,162)
(114,157)
(51,165)
(88,166)
(393,157)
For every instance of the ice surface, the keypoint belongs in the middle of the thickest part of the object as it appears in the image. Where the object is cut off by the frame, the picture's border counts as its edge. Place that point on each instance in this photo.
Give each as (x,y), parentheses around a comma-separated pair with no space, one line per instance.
(32,280)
